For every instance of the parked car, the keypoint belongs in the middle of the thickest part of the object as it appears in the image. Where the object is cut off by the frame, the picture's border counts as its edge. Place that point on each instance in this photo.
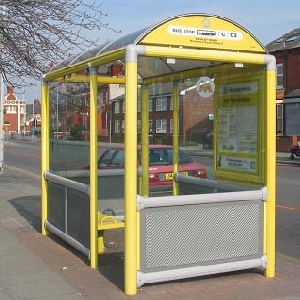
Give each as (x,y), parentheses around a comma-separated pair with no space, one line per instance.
(160,165)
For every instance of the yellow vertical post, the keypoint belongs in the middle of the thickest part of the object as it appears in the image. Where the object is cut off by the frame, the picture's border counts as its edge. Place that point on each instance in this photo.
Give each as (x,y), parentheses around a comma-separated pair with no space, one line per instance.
(45,136)
(175,133)
(270,132)
(145,142)
(130,267)
(93,169)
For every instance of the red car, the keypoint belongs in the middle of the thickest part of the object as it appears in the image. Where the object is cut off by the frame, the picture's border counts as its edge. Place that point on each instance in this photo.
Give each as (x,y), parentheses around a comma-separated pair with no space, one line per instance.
(160,165)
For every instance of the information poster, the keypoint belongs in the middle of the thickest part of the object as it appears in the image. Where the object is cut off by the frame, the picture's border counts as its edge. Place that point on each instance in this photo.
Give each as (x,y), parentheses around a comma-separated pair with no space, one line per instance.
(237,125)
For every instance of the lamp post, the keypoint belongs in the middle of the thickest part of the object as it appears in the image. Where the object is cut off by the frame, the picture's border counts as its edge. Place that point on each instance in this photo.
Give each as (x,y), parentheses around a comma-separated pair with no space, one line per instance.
(2,13)
(20,103)
(1,122)
(33,104)
(57,93)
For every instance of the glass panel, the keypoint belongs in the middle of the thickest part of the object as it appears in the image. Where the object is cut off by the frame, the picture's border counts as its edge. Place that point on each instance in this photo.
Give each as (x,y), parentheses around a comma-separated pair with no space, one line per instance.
(69,126)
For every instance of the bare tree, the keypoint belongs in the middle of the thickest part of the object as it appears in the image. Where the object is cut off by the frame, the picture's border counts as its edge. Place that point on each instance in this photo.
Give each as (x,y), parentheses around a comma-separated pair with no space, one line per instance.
(34,33)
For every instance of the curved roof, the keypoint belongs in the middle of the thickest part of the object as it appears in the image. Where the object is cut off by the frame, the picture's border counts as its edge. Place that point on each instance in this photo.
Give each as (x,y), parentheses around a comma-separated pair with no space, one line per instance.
(200,31)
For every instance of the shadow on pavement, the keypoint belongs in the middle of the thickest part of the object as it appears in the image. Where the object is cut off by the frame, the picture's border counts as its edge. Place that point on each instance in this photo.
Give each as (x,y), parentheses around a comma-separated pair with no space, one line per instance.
(29,208)
(111,264)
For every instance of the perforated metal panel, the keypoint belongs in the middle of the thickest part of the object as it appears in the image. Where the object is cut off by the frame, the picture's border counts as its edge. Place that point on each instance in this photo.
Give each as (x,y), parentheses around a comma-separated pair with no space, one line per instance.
(68,210)
(57,205)
(78,216)
(202,234)
(111,195)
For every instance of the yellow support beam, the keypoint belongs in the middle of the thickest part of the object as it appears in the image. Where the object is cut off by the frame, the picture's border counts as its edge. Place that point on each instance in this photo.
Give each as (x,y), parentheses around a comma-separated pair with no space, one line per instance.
(45,136)
(175,134)
(270,157)
(220,56)
(130,178)
(65,71)
(93,169)
(74,78)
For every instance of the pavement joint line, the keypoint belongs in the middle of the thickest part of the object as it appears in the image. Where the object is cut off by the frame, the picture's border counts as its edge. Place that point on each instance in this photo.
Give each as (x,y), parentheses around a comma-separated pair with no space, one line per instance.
(286,207)
(16,222)
(16,169)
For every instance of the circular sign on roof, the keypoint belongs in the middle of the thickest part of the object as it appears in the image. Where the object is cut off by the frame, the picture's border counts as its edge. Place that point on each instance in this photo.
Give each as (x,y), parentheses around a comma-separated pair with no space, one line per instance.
(205,87)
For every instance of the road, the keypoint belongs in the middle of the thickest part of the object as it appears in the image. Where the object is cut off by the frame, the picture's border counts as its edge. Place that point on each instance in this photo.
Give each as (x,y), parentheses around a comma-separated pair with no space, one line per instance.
(26,156)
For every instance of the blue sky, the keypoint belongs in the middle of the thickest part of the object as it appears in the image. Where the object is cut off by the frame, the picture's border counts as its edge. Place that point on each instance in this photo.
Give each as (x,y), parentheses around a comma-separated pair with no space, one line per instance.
(266,20)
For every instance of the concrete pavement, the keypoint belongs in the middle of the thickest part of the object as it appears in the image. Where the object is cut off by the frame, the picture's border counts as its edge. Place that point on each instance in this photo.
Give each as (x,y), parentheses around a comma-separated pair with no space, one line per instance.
(33,266)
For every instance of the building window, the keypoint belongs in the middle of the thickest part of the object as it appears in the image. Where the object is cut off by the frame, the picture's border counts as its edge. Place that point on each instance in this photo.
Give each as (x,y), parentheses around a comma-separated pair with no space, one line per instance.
(117,107)
(11,109)
(279,123)
(171,103)
(161,126)
(100,98)
(150,105)
(161,104)
(151,126)
(171,126)
(279,76)
(139,105)
(117,126)
(139,126)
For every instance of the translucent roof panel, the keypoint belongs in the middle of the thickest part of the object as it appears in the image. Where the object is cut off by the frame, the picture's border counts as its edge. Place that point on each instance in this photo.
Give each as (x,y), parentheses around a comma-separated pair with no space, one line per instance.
(80,57)
(125,40)
(151,66)
(190,31)
(106,47)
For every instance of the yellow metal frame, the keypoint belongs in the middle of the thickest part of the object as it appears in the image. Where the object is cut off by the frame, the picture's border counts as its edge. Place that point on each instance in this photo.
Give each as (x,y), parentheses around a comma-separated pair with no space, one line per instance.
(93,168)
(44,154)
(130,56)
(175,134)
(106,223)
(270,168)
(130,174)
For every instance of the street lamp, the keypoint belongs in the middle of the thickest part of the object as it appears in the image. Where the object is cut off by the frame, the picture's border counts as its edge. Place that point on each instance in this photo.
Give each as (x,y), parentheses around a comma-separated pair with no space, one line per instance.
(2,12)
(20,104)
(57,93)
(35,102)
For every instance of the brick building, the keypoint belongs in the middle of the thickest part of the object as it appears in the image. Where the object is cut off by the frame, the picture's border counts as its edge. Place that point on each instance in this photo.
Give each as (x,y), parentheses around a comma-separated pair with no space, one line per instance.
(18,116)
(286,50)
(14,113)
(195,121)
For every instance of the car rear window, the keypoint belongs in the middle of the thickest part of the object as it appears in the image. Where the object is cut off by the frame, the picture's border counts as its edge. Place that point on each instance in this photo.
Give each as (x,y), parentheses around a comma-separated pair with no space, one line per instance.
(157,156)
(164,156)
(112,158)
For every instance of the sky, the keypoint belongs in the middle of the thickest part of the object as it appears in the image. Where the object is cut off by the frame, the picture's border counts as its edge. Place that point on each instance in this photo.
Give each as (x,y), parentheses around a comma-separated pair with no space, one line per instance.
(266,20)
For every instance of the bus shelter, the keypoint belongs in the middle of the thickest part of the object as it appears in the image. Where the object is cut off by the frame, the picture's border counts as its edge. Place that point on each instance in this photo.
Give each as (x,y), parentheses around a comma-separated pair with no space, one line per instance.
(206,226)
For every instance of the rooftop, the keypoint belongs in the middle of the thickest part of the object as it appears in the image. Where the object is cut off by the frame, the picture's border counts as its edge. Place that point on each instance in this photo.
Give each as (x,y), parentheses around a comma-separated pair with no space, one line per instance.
(289,40)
